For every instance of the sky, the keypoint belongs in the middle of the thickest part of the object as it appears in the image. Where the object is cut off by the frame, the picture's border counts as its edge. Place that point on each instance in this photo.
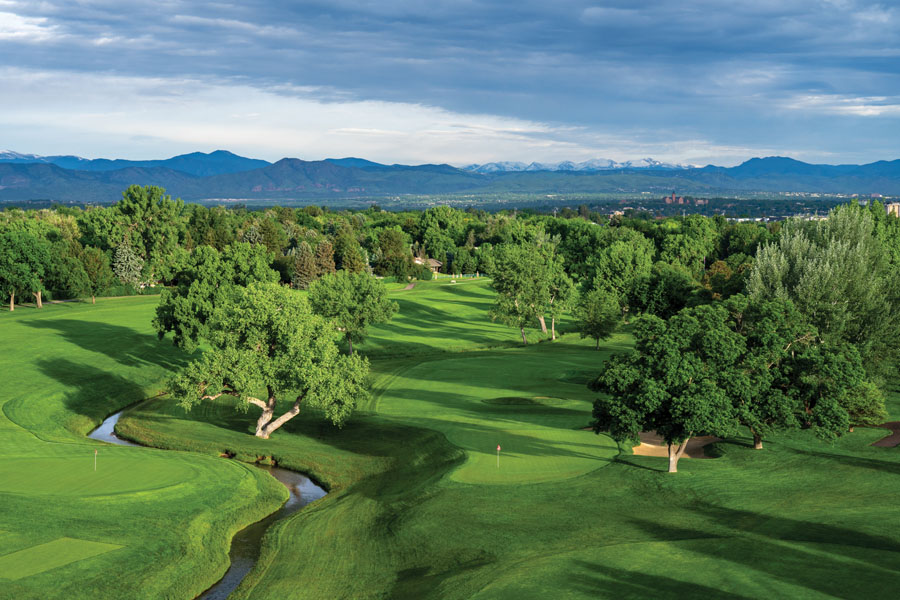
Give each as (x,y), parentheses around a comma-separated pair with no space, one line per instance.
(458,82)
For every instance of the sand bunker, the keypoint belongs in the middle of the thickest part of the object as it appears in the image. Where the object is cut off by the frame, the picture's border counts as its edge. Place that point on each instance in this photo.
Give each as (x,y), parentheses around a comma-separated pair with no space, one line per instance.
(653,445)
(891,440)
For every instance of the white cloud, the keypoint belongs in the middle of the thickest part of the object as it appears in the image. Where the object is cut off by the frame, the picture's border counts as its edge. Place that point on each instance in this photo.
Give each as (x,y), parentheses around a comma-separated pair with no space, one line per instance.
(862,106)
(25,29)
(93,115)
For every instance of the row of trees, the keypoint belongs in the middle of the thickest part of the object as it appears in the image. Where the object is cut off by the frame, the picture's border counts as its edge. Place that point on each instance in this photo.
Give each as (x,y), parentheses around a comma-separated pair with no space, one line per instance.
(808,346)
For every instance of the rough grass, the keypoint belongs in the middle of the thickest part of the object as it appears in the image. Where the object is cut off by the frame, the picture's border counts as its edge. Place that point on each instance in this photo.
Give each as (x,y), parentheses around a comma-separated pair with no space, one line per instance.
(66,367)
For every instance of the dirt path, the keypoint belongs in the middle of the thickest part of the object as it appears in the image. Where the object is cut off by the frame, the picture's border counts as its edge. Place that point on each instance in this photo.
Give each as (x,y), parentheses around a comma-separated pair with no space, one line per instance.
(410,286)
(892,440)
(653,445)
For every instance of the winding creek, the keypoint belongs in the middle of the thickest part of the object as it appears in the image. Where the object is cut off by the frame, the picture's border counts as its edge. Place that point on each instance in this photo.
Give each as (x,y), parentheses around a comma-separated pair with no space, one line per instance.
(246,543)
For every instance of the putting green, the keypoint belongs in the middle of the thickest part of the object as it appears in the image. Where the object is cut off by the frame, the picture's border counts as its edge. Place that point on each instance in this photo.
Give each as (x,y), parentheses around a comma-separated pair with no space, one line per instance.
(118,472)
(514,399)
(51,555)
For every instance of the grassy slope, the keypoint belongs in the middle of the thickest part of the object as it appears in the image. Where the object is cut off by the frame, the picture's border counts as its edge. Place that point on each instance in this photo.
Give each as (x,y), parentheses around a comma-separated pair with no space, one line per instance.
(65,368)
(799,519)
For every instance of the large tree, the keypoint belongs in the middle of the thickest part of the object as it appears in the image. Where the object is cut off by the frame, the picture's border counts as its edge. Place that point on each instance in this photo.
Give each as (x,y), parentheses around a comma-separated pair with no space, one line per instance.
(96,267)
(266,338)
(151,223)
(839,275)
(23,262)
(207,279)
(598,314)
(678,381)
(353,301)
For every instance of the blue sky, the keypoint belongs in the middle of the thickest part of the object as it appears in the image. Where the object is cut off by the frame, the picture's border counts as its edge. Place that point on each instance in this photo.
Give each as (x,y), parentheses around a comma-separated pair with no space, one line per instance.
(694,81)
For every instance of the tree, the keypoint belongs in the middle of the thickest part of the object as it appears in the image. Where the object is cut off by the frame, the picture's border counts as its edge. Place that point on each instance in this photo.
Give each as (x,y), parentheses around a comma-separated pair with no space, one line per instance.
(23,260)
(353,301)
(676,381)
(838,274)
(65,273)
(128,266)
(208,279)
(519,275)
(304,271)
(324,258)
(266,338)
(96,268)
(150,221)
(598,314)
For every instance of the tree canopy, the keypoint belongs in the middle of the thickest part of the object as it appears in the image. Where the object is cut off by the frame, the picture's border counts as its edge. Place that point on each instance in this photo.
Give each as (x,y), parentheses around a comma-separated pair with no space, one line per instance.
(353,301)
(267,346)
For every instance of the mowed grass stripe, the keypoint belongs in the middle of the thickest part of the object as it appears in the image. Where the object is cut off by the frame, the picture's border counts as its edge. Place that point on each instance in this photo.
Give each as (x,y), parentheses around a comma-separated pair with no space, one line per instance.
(51,555)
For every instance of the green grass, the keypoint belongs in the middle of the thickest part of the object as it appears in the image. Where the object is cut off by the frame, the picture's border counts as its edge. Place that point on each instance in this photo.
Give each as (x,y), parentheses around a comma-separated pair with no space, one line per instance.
(51,555)
(418,509)
(170,514)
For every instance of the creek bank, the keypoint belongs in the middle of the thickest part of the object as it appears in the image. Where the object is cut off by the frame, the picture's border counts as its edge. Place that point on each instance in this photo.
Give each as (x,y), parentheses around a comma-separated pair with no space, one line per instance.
(246,543)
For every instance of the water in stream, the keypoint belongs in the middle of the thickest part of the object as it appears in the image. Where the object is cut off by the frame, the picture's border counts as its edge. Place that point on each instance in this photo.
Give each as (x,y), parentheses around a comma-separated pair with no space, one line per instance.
(246,543)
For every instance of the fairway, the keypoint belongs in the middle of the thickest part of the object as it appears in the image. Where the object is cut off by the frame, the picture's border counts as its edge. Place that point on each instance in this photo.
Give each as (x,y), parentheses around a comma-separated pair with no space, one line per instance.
(51,555)
(484,400)
(417,507)
(68,526)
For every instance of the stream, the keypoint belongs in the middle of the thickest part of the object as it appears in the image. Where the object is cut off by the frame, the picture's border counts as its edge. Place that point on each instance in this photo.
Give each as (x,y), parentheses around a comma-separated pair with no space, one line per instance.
(246,543)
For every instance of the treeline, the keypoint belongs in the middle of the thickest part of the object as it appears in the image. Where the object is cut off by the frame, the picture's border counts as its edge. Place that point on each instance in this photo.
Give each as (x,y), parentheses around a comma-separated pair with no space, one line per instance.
(763,326)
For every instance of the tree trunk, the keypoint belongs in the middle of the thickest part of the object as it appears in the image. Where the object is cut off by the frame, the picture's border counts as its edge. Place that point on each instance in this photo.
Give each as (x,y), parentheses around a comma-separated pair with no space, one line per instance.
(757,440)
(543,323)
(350,341)
(12,301)
(676,452)
(93,300)
(524,339)
(265,425)
(553,328)
(37,296)
(598,343)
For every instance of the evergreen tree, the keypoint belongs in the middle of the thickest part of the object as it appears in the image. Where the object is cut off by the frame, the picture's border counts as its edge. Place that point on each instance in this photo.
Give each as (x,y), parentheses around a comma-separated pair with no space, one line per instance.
(304,267)
(128,265)
(324,258)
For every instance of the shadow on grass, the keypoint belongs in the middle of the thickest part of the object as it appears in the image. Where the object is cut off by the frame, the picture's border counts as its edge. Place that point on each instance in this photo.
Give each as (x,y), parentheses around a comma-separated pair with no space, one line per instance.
(593,579)
(815,556)
(123,344)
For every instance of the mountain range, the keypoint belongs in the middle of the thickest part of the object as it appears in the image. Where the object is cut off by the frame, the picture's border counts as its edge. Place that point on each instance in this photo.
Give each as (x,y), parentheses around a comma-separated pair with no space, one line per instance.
(221,175)
(595,164)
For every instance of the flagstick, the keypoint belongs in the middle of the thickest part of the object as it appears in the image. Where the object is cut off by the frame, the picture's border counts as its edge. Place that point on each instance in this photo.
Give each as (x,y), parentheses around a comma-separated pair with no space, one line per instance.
(95,460)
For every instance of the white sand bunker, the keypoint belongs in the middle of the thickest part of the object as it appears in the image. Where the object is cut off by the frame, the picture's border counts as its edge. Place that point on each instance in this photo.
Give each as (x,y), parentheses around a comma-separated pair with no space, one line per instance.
(653,445)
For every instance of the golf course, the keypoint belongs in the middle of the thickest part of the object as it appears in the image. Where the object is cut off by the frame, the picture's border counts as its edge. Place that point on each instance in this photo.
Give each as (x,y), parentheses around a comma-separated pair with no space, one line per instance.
(470,472)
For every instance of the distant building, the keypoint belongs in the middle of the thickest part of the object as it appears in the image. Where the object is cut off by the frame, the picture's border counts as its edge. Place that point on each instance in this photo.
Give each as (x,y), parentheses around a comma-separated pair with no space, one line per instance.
(893,208)
(434,265)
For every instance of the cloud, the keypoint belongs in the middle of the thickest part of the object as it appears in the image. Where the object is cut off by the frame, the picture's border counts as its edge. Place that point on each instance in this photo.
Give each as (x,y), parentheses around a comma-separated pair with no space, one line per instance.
(15,27)
(153,117)
(634,71)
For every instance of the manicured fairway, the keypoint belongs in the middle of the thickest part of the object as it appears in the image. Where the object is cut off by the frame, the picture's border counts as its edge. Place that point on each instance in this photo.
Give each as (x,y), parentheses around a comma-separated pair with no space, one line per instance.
(408,516)
(497,400)
(417,508)
(147,523)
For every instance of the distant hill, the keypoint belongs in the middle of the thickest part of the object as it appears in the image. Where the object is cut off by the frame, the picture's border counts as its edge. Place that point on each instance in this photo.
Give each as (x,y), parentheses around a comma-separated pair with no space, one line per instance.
(195,163)
(24,178)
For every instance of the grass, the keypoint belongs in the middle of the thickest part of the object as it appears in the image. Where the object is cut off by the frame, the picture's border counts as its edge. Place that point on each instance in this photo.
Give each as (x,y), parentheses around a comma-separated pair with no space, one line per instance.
(161,521)
(418,509)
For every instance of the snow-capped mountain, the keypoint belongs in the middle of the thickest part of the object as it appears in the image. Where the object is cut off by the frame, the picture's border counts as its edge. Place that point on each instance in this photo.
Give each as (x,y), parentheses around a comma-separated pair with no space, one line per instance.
(595,164)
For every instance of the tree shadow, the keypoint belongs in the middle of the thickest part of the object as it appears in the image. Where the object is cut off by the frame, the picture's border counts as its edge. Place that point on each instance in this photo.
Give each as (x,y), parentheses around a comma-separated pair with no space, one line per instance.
(91,392)
(619,583)
(123,344)
(813,555)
